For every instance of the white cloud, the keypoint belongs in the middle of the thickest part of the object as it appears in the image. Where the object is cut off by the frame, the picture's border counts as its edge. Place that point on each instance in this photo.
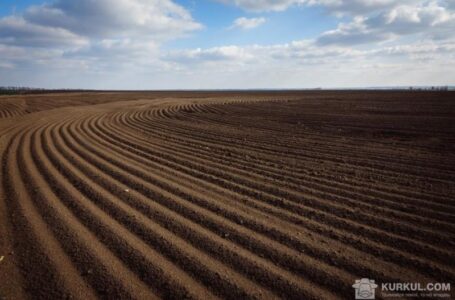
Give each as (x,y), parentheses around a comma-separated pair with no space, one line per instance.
(355,32)
(307,64)
(216,55)
(247,23)
(107,18)
(407,16)
(6,65)
(262,5)
(290,65)
(357,7)
(336,6)
(17,31)
(66,23)
(96,35)
(304,52)
(430,19)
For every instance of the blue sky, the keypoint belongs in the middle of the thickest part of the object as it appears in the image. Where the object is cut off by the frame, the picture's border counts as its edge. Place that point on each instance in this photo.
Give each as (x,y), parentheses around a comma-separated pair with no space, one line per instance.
(8,7)
(294,24)
(211,44)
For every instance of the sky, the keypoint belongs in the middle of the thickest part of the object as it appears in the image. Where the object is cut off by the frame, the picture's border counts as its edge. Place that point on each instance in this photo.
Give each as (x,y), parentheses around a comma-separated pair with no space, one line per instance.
(226,44)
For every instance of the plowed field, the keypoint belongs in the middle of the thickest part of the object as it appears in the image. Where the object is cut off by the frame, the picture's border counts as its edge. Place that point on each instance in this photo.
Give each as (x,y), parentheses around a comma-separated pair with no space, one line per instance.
(290,195)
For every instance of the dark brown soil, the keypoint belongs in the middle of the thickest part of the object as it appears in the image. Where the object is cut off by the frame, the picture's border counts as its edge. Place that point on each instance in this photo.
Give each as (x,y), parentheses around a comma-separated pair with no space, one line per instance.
(258,195)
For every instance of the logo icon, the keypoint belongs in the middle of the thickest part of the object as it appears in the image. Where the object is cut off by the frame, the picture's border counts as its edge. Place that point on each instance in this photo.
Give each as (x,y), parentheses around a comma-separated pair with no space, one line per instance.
(364,288)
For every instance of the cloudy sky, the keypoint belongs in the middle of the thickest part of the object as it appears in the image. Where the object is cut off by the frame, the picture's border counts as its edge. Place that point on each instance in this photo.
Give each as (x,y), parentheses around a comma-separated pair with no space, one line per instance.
(212,44)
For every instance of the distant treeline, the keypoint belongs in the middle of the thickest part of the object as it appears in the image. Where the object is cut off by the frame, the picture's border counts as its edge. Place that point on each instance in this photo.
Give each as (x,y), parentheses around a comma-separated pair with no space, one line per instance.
(13,90)
(429,88)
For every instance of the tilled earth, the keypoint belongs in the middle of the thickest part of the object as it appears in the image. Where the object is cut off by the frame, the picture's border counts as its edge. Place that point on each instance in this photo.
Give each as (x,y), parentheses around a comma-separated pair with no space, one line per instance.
(290,195)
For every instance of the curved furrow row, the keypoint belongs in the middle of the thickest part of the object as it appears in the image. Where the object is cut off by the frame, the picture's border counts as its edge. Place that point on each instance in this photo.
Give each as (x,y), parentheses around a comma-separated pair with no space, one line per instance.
(296,202)
(210,220)
(318,216)
(317,142)
(312,152)
(239,197)
(88,256)
(299,183)
(10,108)
(306,161)
(209,146)
(316,185)
(54,270)
(194,184)
(344,161)
(195,262)
(149,265)
(271,168)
